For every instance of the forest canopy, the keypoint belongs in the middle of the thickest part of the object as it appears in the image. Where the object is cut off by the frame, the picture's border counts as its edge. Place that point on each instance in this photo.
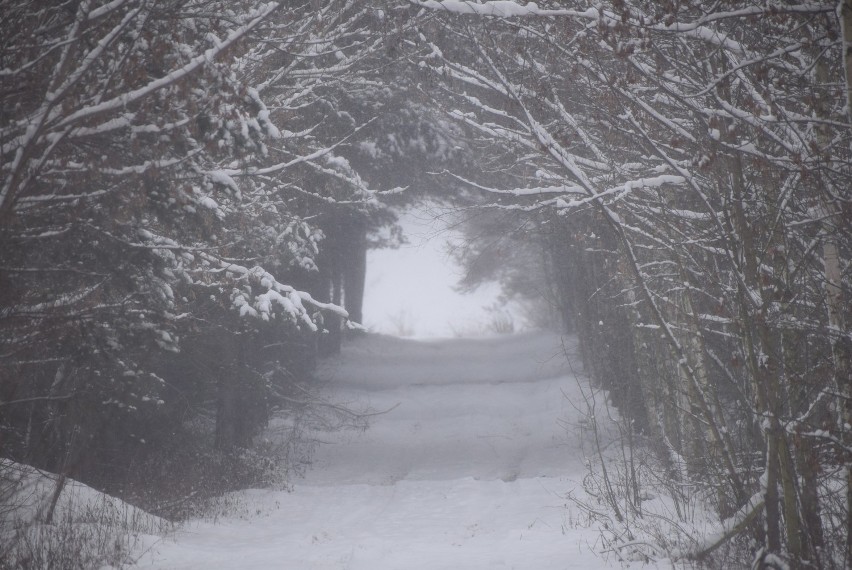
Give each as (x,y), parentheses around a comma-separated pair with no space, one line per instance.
(188,190)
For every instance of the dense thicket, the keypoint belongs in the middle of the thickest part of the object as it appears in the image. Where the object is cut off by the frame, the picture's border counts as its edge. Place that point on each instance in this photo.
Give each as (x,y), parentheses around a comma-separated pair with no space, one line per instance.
(179,221)
(688,166)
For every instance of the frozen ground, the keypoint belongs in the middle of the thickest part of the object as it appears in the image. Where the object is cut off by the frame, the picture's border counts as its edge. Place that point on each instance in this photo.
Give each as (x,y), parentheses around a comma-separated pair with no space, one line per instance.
(467,470)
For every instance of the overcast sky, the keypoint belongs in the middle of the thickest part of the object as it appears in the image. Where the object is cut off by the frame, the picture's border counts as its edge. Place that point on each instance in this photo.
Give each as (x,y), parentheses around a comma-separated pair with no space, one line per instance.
(413,287)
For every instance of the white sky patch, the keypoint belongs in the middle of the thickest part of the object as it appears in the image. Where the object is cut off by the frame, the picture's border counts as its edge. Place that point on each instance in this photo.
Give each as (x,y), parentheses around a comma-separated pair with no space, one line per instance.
(411,290)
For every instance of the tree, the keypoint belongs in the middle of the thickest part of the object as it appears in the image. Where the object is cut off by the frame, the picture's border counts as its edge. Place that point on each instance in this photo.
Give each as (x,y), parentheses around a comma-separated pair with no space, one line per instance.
(704,158)
(149,206)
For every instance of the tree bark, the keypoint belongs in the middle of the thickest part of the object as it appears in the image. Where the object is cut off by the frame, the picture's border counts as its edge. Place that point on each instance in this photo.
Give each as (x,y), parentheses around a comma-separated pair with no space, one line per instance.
(355,274)
(841,349)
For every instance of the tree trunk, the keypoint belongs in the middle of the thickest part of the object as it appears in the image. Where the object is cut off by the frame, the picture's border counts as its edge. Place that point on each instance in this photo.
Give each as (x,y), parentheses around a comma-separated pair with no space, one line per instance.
(841,343)
(226,409)
(355,274)
(231,420)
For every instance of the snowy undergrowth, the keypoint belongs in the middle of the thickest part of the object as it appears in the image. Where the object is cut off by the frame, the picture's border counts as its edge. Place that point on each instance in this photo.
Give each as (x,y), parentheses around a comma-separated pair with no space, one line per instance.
(647,510)
(50,523)
(283,453)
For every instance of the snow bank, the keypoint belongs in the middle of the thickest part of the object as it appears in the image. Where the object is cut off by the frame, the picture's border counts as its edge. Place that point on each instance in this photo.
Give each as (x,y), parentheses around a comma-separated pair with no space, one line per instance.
(32,491)
(79,527)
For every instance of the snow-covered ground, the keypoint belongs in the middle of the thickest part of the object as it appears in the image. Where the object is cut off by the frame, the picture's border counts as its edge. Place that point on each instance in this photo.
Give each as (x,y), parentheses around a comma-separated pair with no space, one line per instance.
(45,523)
(467,470)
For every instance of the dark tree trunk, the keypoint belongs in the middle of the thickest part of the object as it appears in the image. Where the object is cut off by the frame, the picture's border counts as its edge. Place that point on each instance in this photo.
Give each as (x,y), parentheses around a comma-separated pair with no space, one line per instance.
(239,407)
(355,275)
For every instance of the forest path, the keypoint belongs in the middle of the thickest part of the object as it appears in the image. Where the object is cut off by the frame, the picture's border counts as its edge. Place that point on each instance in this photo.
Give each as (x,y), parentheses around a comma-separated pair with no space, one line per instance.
(468,469)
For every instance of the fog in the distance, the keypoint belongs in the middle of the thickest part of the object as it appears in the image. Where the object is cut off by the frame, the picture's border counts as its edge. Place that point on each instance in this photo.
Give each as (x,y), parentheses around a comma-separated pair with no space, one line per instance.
(411,290)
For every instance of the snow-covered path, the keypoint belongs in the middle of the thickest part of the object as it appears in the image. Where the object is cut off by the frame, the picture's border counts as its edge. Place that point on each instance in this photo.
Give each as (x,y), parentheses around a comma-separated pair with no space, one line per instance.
(467,470)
